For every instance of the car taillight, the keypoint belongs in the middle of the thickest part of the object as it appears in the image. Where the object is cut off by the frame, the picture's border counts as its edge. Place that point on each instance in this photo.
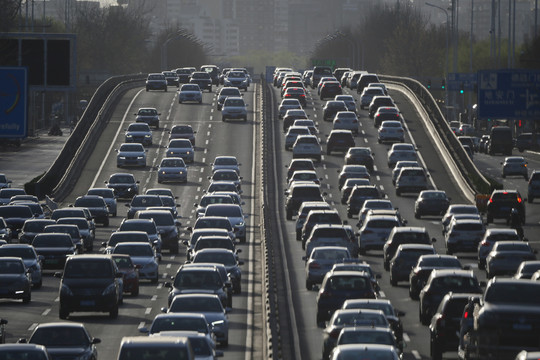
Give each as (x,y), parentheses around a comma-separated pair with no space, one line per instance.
(325,294)
(485,243)
(314,265)
(465,314)
(519,199)
(337,120)
(355,121)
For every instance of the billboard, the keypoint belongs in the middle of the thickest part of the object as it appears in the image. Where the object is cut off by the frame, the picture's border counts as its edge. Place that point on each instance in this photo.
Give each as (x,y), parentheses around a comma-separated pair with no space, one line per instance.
(13,102)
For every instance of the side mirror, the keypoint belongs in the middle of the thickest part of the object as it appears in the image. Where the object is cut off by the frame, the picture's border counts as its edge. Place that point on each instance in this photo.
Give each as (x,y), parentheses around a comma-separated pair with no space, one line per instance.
(315,287)
(143,330)
(58,274)
(482,284)
(185,242)
(304,258)
(163,309)
(240,262)
(466,267)
(433,240)
(238,251)
(167,285)
(22,341)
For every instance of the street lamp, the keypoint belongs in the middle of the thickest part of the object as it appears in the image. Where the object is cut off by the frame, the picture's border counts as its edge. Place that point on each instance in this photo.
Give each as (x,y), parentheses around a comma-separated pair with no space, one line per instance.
(446,55)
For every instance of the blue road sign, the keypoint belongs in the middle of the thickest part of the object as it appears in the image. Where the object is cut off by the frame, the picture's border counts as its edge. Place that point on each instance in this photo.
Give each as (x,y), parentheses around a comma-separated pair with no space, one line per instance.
(456,79)
(509,94)
(13,102)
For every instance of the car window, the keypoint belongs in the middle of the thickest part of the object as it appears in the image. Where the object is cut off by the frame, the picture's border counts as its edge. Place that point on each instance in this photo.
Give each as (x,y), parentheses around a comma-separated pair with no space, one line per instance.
(88,269)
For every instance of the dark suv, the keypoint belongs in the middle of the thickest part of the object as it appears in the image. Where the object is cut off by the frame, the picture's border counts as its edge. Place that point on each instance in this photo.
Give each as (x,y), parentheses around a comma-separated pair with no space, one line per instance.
(339,140)
(298,193)
(90,283)
(502,202)
(331,108)
(330,89)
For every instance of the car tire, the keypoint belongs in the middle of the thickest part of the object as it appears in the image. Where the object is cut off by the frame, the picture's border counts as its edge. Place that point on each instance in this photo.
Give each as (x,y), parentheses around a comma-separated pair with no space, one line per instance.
(328,151)
(135,291)
(503,175)
(412,295)
(289,215)
(106,222)
(398,192)
(489,218)
(320,321)
(436,352)
(417,215)
(62,313)
(174,248)
(113,314)
(392,281)
(386,265)
(27,298)
(362,251)
(156,279)
(179,101)
(424,320)
(309,285)
(530,200)
(223,118)
(38,285)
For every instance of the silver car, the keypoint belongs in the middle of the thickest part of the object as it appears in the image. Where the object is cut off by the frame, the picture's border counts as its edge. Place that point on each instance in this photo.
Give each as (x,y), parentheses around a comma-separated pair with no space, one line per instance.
(464,236)
(226,92)
(190,92)
(390,131)
(367,95)
(349,101)
(131,154)
(234,108)
(139,133)
(181,148)
(321,260)
(346,120)
(172,169)
(292,133)
(515,165)
(288,104)
(143,256)
(235,215)
(226,162)
(375,231)
(107,195)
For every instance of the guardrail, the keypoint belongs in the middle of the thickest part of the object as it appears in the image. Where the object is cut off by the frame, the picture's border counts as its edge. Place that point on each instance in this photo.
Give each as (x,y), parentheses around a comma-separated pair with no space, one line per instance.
(60,178)
(470,172)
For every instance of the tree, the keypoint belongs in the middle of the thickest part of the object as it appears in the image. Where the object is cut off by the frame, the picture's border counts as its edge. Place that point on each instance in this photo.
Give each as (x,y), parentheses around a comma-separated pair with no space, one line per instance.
(8,14)
(529,57)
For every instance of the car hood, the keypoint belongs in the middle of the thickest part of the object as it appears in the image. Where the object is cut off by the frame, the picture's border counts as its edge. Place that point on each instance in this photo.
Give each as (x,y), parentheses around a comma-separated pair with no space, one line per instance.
(170,168)
(131,153)
(138,133)
(142,260)
(54,250)
(65,352)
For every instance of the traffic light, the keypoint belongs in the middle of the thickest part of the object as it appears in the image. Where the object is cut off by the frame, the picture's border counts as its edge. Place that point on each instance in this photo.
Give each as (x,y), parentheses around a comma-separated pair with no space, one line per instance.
(429,84)
(443,84)
(461,88)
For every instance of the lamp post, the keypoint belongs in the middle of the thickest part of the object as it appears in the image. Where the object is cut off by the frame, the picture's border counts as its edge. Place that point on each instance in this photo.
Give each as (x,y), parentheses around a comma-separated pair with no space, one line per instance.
(446,53)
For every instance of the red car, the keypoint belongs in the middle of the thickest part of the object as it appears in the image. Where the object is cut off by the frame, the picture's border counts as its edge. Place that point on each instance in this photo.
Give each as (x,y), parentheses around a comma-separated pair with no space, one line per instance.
(130,273)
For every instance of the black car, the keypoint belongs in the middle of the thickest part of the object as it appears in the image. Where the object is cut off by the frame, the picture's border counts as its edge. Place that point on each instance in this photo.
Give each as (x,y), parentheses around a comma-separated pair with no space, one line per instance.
(331,108)
(15,279)
(183,75)
(339,140)
(299,164)
(431,202)
(97,206)
(501,202)
(55,249)
(149,116)
(359,194)
(524,142)
(142,202)
(330,89)
(360,156)
(202,79)
(64,340)
(403,235)
(445,324)
(124,185)
(89,283)
(3,323)
(297,194)
(15,216)
(423,268)
(379,101)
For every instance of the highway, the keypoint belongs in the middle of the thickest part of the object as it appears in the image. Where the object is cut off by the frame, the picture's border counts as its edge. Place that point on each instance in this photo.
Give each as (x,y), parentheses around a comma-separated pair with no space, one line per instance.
(301,338)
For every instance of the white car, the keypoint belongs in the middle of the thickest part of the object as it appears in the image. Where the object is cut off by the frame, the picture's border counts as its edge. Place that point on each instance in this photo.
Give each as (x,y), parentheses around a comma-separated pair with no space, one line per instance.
(226,92)
(234,108)
(292,134)
(288,104)
(411,179)
(374,232)
(399,165)
(464,236)
(401,152)
(226,162)
(307,146)
(190,92)
(391,131)
(367,95)
(237,79)
(346,120)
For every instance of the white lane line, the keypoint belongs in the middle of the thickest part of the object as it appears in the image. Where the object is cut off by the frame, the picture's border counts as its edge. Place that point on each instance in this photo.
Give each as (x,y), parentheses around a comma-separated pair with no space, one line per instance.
(46,312)
(168,265)
(211,117)
(154,298)
(147,311)
(141,325)
(33,326)
(365,140)
(375,168)
(164,276)
(57,299)
(208,133)
(198,187)
(382,294)
(416,354)
(382,187)
(206,142)
(378,178)
(406,337)
(203,160)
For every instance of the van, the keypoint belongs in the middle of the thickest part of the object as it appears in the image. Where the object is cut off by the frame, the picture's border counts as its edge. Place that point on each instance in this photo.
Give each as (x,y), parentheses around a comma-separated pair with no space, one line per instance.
(500,141)
(411,179)
(155,348)
(365,80)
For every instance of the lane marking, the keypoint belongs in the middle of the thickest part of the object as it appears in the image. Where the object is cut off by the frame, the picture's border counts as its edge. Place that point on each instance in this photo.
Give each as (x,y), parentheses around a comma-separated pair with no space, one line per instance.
(147,311)
(154,298)
(33,326)
(46,312)
(416,355)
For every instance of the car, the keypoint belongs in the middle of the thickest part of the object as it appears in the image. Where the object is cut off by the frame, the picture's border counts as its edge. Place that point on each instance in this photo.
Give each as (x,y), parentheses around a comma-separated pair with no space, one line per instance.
(156,81)
(501,202)
(227,175)
(500,140)
(234,108)
(124,185)
(199,233)
(349,185)
(411,180)
(130,273)
(369,335)
(288,104)
(431,202)
(203,346)
(171,77)
(371,351)
(172,169)
(213,71)
(70,229)
(167,346)
(405,258)
(401,152)
(63,339)
(83,283)
(373,204)
(458,209)
(299,164)
(192,279)
(360,156)
(464,235)
(211,198)
(210,306)
(54,248)
(292,133)
(307,146)
(87,235)
(145,225)
(524,141)
(124,236)
(377,102)
(202,79)
(339,140)
(213,222)
(131,154)
(321,260)
(352,172)
(4,181)
(402,163)
(331,235)
(392,315)
(14,217)
(385,113)
(506,256)
(446,323)
(7,193)
(166,224)
(304,175)
(310,124)
(148,115)
(404,235)
(346,120)
(24,351)
(226,162)
(329,89)
(526,269)
(183,132)
(108,196)
(364,80)
(492,236)
(182,148)
(423,268)
(225,92)
(142,202)
(515,165)
(338,286)
(139,133)
(143,256)
(225,257)
(374,232)
(331,108)
(349,101)
(441,282)
(97,206)
(183,74)
(190,92)
(299,193)
(296,93)
(237,79)
(291,116)
(359,194)
(483,143)
(234,213)
(30,229)
(16,279)
(179,321)
(367,95)
(318,73)
(222,241)
(533,187)
(390,131)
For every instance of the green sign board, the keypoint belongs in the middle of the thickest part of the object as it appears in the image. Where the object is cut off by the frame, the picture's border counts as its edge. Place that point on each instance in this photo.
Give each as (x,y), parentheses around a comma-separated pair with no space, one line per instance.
(324,62)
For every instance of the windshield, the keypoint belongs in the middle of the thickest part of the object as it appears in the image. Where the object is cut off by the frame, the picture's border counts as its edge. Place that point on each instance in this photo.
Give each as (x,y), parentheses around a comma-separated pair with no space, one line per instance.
(88,202)
(225,258)
(12,211)
(178,324)
(22,252)
(11,267)
(519,293)
(60,336)
(198,280)
(161,219)
(100,269)
(142,251)
(146,201)
(122,179)
(225,211)
(149,112)
(139,127)
(147,226)
(52,241)
(150,352)
(196,304)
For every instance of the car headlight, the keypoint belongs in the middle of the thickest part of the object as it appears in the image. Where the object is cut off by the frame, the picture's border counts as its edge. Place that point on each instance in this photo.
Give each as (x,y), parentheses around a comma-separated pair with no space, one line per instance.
(129,136)
(65,290)
(122,158)
(181,172)
(111,289)
(147,136)
(188,152)
(140,157)
(241,224)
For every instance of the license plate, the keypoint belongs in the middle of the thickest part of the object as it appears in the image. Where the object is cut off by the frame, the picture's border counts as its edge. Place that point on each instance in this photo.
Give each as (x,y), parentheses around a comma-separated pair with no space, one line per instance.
(51,261)
(88,303)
